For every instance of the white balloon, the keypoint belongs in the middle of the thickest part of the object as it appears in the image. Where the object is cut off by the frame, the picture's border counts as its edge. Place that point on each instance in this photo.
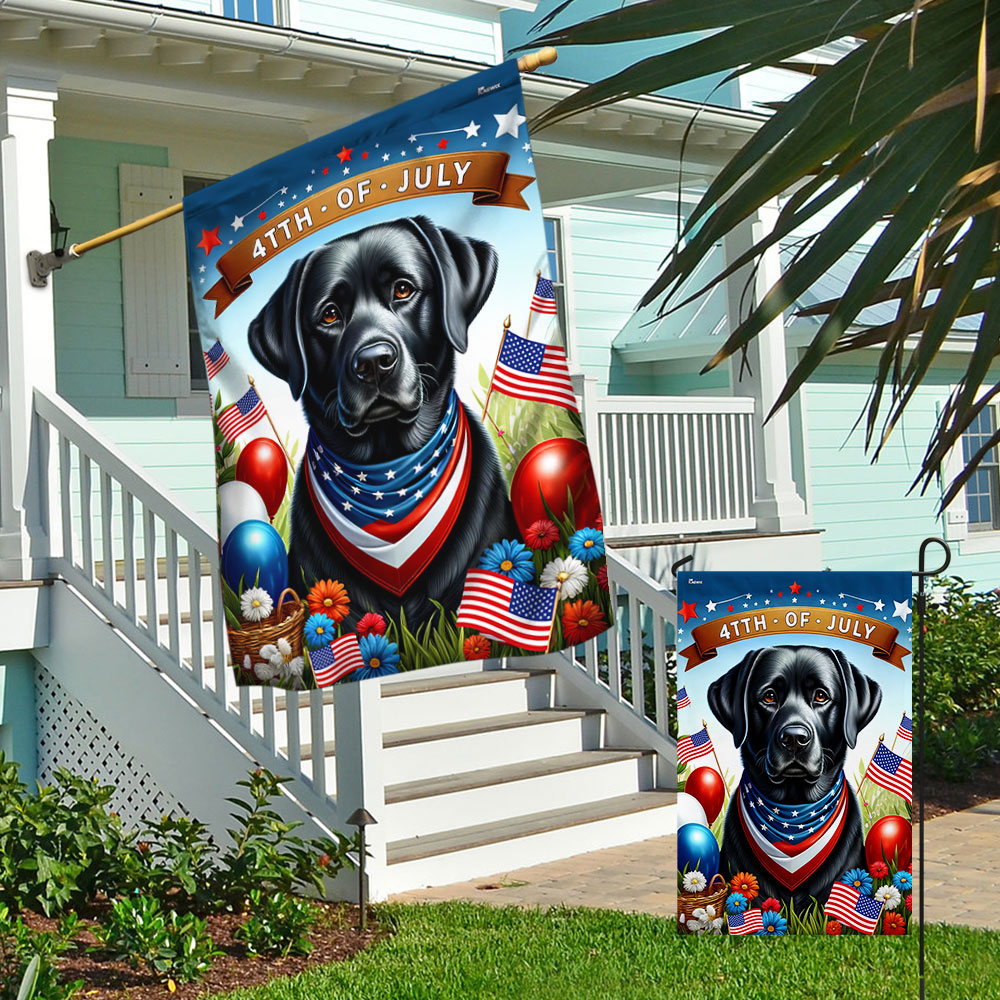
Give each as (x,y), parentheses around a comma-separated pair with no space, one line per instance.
(239,502)
(689,810)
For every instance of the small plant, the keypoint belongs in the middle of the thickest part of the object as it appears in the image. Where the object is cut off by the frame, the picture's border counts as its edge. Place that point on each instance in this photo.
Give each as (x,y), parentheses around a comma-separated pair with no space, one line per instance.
(174,946)
(29,959)
(278,925)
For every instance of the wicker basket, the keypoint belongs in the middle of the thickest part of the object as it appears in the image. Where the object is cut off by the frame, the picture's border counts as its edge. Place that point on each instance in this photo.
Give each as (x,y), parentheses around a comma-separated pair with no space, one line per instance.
(282,623)
(688,902)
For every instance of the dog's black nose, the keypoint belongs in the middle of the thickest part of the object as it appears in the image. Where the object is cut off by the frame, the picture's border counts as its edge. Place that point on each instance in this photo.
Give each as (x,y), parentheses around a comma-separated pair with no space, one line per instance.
(795,738)
(374,361)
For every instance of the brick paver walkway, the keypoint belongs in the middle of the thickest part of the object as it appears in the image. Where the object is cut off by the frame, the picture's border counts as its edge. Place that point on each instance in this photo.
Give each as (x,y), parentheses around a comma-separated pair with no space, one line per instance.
(963,875)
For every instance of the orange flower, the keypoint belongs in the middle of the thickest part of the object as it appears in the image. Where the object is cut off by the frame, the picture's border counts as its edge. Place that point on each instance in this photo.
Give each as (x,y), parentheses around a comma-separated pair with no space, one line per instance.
(582,620)
(329,598)
(476,647)
(893,923)
(747,884)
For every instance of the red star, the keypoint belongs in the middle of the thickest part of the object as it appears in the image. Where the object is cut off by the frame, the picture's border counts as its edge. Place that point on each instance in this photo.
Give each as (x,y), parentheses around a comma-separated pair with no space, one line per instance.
(689,611)
(809,593)
(861,607)
(326,170)
(364,156)
(779,593)
(345,153)
(794,588)
(730,608)
(443,144)
(263,215)
(209,239)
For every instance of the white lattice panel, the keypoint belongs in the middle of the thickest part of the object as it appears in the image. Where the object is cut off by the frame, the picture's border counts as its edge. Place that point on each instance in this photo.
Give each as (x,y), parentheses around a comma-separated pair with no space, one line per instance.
(70,736)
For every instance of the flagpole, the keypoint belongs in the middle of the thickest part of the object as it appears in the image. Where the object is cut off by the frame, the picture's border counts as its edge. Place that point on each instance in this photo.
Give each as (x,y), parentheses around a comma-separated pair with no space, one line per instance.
(865,777)
(489,391)
(718,764)
(896,737)
(500,435)
(281,445)
(555,608)
(527,332)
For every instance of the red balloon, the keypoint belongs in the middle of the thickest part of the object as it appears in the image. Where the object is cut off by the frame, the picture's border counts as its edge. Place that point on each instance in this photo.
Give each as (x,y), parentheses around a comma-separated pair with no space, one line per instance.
(893,836)
(551,469)
(262,465)
(705,784)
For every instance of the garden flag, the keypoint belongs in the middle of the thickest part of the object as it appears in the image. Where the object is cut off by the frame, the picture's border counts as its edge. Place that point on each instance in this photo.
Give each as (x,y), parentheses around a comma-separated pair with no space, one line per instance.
(790,683)
(403,478)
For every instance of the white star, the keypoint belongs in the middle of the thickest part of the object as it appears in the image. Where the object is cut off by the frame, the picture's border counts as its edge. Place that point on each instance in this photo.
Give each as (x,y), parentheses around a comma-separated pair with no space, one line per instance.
(419,495)
(763,826)
(284,190)
(711,606)
(822,600)
(509,123)
(531,159)
(379,494)
(281,204)
(326,475)
(385,157)
(785,825)
(201,270)
(795,812)
(347,170)
(526,146)
(418,467)
(813,813)
(388,513)
(402,492)
(437,451)
(746,605)
(760,801)
(434,471)
(766,602)
(413,138)
(309,188)
(337,470)
(801,826)
(355,490)
(237,222)
(294,196)
(391,474)
(471,130)
(841,596)
(402,152)
(902,610)
(879,605)
(316,453)
(362,477)
(420,149)
(201,281)
(795,600)
(347,505)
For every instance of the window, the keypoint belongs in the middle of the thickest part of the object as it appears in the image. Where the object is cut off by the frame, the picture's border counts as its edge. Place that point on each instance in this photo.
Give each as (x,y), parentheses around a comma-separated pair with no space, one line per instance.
(982,491)
(554,246)
(199,379)
(261,11)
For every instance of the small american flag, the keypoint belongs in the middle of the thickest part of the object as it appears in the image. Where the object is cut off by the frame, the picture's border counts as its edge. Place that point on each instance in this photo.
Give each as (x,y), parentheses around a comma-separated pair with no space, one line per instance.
(891,771)
(544,299)
(241,415)
(849,906)
(528,369)
(689,747)
(508,610)
(215,359)
(745,923)
(905,730)
(683,701)
(341,657)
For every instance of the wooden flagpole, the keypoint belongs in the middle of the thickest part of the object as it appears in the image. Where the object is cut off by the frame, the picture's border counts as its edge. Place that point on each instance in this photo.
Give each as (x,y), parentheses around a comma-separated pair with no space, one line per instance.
(291,464)
(527,331)
(500,435)
(881,739)
(555,609)
(489,391)
(718,763)
(526,64)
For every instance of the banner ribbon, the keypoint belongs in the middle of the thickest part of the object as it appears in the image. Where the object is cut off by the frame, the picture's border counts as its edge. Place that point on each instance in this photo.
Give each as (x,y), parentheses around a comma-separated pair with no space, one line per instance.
(482,173)
(881,636)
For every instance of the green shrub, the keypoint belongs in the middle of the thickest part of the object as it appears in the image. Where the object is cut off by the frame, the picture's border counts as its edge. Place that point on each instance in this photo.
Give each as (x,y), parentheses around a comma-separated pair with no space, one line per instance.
(277,925)
(19,945)
(172,945)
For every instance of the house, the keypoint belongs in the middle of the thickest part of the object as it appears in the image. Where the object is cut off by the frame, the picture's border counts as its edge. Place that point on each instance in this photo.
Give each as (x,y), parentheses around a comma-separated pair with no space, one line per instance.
(112,652)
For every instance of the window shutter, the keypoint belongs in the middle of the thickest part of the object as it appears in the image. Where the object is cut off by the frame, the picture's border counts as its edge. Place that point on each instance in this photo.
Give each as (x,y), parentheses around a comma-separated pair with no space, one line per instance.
(154,293)
(956,517)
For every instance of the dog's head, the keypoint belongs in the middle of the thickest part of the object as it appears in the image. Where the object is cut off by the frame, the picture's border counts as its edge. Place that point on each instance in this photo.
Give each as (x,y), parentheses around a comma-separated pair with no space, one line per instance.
(794,711)
(364,329)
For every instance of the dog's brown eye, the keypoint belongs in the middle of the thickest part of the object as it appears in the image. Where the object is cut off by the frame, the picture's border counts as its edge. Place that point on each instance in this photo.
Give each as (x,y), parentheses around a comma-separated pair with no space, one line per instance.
(330,315)
(402,290)
(768,697)
(820,697)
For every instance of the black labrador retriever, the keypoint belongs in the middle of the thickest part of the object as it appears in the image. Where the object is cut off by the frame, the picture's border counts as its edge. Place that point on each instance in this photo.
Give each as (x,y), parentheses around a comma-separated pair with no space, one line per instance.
(794,711)
(364,330)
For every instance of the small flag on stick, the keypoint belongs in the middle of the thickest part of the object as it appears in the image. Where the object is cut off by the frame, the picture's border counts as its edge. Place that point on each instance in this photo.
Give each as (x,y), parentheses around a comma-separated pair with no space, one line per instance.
(892,772)
(850,907)
(340,658)
(507,609)
(749,922)
(698,745)
(527,369)
(240,416)
(215,359)
(905,730)
(544,299)
(683,701)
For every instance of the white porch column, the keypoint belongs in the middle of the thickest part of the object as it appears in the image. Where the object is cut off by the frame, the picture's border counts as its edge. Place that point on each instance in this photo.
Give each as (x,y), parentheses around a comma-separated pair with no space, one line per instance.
(777,504)
(27,327)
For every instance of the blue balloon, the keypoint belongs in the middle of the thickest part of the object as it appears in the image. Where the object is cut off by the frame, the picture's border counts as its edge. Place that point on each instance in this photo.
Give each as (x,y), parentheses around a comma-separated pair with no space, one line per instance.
(254,548)
(698,849)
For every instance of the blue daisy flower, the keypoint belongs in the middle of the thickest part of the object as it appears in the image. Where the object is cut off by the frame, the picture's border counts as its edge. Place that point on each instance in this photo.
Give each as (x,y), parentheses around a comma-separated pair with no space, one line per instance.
(381,657)
(773,923)
(319,631)
(510,558)
(587,544)
(858,878)
(736,902)
(903,881)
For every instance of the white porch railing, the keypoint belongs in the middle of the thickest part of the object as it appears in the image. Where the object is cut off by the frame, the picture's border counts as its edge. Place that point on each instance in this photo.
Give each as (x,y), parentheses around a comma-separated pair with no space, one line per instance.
(671,465)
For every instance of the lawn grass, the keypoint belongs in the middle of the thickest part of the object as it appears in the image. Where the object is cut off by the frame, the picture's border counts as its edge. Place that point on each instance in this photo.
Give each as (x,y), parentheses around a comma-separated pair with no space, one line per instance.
(465,950)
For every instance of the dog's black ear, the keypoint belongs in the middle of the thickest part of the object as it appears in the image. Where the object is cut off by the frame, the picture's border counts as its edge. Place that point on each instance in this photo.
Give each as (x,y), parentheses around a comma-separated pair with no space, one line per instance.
(727,697)
(275,336)
(465,268)
(863,697)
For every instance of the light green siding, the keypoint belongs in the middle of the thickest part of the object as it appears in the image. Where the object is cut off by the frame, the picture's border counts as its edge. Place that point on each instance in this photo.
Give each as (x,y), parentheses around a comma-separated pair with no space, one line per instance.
(17,712)
(90,349)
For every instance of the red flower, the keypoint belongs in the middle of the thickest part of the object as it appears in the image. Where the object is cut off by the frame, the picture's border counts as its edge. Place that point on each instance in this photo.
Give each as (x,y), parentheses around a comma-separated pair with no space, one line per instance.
(745,883)
(909,901)
(879,870)
(834,927)
(582,620)
(893,923)
(329,597)
(476,647)
(770,905)
(542,534)
(602,576)
(599,522)
(323,860)
(371,624)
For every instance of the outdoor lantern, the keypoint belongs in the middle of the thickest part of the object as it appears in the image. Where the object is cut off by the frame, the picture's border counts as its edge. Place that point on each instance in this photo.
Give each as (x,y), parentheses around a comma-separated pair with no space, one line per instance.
(59,232)
(362,818)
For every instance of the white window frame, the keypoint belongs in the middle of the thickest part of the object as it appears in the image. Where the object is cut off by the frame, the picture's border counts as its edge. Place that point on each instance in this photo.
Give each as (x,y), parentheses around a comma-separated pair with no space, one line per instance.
(283,12)
(564,253)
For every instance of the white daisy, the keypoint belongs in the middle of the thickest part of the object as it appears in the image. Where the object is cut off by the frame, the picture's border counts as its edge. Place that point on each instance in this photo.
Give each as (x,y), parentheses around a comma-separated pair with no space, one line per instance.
(700,914)
(694,881)
(696,926)
(889,895)
(682,918)
(294,667)
(256,604)
(265,671)
(715,926)
(569,572)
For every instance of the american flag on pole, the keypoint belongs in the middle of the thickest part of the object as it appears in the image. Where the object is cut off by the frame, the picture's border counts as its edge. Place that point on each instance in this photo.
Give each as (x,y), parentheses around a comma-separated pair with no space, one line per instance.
(507,609)
(544,299)
(849,906)
(341,657)
(683,701)
(215,359)
(241,415)
(528,369)
(749,922)
(891,771)
(689,747)
(905,730)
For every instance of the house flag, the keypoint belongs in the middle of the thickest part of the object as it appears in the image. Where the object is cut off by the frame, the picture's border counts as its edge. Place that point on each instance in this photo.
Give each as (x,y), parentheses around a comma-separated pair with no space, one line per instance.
(394,417)
(792,685)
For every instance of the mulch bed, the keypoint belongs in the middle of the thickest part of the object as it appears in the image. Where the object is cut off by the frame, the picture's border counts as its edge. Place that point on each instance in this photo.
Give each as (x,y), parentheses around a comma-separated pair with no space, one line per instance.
(941,797)
(335,937)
